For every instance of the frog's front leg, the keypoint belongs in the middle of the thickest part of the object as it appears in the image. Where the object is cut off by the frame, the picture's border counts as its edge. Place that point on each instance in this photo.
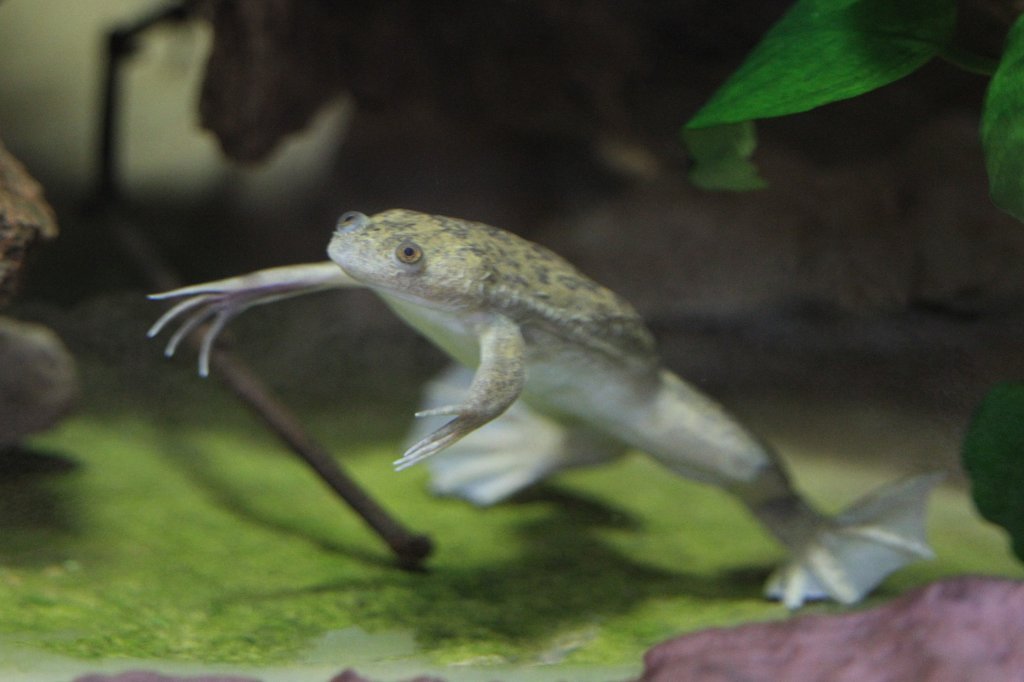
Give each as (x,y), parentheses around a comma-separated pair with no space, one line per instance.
(224,299)
(498,381)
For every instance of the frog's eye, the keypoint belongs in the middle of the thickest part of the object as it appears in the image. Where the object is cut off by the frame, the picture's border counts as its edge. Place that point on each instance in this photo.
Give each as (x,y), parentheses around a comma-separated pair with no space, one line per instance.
(352,220)
(408,253)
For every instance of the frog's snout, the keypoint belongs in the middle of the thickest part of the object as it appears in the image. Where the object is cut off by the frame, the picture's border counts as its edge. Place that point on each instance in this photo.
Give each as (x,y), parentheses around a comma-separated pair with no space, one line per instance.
(351,221)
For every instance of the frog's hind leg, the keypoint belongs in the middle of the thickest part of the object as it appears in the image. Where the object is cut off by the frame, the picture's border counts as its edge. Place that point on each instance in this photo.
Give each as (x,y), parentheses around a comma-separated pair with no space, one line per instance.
(846,556)
(508,454)
(842,557)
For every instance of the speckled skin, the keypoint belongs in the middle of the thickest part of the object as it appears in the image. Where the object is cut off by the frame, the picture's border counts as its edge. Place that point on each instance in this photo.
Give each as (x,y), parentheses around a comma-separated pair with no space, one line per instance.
(579,367)
(473,266)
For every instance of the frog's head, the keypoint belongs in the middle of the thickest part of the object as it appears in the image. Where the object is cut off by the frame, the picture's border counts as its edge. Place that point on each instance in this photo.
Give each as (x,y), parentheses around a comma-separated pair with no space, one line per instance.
(427,259)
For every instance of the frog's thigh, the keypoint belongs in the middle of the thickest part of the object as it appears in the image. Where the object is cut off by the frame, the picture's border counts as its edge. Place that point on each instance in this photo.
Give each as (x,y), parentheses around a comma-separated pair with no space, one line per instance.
(695,437)
(513,451)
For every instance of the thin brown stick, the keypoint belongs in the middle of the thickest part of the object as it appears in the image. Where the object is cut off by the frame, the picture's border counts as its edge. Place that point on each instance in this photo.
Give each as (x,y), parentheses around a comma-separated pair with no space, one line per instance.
(410,548)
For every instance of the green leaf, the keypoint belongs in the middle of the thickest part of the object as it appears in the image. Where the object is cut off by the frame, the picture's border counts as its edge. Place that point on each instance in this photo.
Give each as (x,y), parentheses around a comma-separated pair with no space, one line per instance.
(822,51)
(1002,126)
(721,157)
(994,458)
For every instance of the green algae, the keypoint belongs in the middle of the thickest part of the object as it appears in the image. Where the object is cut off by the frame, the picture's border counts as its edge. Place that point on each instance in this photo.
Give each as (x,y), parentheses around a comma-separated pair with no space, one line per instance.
(190,535)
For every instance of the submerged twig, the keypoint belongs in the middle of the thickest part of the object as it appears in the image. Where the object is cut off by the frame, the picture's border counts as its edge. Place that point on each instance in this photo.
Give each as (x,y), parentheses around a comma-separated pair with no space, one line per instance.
(410,548)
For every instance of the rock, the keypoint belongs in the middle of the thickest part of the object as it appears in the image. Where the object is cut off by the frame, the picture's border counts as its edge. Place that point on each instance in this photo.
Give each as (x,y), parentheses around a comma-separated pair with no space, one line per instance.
(25,220)
(819,238)
(959,629)
(38,381)
(264,54)
(969,253)
(353,676)
(149,676)
(906,229)
(534,67)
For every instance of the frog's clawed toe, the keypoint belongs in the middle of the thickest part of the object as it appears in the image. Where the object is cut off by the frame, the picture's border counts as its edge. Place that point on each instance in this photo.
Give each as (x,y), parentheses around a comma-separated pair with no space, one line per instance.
(465,422)
(193,312)
(854,552)
(509,454)
(506,455)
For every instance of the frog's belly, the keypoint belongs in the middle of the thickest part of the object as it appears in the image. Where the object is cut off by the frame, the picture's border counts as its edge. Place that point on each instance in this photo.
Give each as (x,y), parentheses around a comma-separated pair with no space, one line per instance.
(455,334)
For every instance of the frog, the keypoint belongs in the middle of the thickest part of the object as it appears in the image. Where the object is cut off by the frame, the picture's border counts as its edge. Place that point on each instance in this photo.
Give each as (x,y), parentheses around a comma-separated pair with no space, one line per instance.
(554,372)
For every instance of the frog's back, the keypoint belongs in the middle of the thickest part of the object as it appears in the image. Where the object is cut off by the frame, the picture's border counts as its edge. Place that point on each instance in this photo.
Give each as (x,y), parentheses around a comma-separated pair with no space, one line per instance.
(543,292)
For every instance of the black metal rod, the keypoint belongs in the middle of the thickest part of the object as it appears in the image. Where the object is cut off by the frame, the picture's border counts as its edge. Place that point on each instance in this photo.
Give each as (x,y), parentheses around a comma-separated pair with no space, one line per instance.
(121,43)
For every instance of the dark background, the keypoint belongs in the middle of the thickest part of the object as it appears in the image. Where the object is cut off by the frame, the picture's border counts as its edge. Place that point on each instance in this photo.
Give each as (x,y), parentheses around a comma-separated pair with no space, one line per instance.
(873,267)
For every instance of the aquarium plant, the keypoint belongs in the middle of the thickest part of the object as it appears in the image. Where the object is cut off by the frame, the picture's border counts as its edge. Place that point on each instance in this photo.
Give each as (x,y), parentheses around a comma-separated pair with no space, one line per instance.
(823,51)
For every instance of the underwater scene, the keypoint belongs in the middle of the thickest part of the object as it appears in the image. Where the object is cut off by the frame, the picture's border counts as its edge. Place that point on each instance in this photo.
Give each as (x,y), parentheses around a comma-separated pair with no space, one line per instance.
(515,341)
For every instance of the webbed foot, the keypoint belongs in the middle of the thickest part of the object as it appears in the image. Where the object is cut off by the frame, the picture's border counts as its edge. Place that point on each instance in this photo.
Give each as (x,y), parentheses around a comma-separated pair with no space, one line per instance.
(849,555)
(516,450)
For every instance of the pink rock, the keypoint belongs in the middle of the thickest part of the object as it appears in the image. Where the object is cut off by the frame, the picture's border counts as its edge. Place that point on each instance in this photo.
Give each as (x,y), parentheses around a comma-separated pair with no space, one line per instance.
(352,676)
(953,630)
(149,676)
(349,676)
